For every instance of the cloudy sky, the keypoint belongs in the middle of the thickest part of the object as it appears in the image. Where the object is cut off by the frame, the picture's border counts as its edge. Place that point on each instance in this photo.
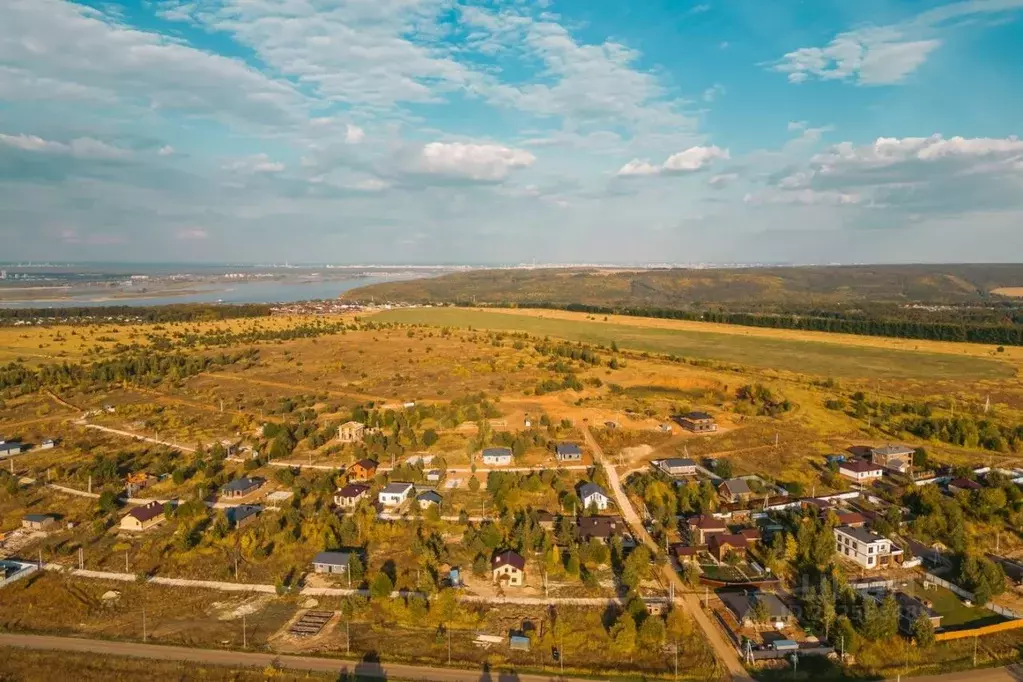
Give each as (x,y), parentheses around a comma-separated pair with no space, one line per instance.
(503,131)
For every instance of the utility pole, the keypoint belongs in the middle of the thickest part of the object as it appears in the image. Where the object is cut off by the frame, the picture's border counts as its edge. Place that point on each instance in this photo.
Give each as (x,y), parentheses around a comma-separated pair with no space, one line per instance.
(245,636)
(975,640)
(676,659)
(90,484)
(449,645)
(348,636)
(81,558)
(126,562)
(143,623)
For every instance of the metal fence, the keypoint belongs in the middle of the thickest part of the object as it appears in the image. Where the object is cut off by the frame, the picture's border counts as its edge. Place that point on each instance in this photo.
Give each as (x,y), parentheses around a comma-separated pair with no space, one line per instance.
(966,594)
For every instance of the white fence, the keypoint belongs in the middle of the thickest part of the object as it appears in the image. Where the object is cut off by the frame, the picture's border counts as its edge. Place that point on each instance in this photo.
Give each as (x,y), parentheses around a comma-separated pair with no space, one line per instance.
(966,594)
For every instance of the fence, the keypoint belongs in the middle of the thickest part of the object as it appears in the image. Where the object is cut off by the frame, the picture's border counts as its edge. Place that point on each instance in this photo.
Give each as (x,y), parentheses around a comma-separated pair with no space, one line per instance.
(22,571)
(809,651)
(965,594)
(979,632)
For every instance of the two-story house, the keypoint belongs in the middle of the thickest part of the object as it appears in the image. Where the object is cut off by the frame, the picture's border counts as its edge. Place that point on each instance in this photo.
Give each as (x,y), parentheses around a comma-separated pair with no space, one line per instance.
(866,548)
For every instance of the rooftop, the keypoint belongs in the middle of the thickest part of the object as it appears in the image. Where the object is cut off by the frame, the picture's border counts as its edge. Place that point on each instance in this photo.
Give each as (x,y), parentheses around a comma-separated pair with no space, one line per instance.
(508,558)
(678,462)
(568,449)
(859,466)
(430,496)
(741,604)
(147,512)
(397,488)
(861,534)
(352,490)
(588,489)
(497,452)
(736,486)
(333,558)
(243,483)
(38,518)
(697,416)
(892,450)
(242,511)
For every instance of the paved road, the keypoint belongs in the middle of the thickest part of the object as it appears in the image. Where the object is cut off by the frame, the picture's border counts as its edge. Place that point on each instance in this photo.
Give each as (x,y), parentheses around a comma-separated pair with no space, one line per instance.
(261,661)
(726,653)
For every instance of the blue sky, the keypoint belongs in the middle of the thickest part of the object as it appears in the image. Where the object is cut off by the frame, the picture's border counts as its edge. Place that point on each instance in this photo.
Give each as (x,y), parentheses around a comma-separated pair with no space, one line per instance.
(411,131)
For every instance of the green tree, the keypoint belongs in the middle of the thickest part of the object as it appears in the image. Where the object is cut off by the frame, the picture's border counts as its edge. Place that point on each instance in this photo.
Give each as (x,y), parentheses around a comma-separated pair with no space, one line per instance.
(651,632)
(923,631)
(623,635)
(381,586)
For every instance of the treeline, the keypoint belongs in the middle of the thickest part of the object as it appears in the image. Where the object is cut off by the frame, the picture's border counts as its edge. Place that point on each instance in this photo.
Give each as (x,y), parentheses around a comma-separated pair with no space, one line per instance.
(967,432)
(181,312)
(143,367)
(820,321)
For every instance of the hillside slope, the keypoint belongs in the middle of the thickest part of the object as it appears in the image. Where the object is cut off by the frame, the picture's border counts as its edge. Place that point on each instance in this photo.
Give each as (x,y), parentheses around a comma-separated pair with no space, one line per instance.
(764,289)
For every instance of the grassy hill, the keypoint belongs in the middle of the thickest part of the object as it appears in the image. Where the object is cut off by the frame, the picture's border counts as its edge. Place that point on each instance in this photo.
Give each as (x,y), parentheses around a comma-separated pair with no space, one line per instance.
(760,289)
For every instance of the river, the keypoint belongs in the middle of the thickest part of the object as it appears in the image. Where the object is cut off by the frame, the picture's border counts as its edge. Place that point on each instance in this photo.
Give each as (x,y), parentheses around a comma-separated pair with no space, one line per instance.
(233,292)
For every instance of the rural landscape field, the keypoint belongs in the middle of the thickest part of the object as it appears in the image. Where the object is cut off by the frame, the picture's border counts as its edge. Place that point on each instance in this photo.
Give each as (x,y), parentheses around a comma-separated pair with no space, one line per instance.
(285,415)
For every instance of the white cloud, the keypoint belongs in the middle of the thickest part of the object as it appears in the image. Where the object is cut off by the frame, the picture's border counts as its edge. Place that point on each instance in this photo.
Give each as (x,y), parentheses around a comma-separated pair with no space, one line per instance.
(885,55)
(722,179)
(359,52)
(796,125)
(871,56)
(584,84)
(57,41)
(687,161)
(80,148)
(713,92)
(166,150)
(920,174)
(257,163)
(484,162)
(89,148)
(639,167)
(31,143)
(354,134)
(694,159)
(699,9)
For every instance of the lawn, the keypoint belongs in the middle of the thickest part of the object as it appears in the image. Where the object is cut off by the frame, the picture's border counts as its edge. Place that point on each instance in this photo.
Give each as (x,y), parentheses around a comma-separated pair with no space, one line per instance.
(809,357)
(956,615)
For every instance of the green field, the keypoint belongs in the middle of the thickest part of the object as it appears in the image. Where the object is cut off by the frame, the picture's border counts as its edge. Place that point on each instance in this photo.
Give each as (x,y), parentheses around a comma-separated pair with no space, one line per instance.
(809,357)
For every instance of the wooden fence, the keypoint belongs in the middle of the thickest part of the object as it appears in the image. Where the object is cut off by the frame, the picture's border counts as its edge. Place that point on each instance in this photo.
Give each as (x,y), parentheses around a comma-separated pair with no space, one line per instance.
(979,632)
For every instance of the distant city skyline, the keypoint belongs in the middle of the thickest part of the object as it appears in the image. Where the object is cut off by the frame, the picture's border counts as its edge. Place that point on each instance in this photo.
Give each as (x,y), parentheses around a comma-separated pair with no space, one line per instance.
(414,132)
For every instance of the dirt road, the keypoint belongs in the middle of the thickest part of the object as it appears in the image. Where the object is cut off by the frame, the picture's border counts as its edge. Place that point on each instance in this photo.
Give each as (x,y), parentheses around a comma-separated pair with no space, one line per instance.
(725,652)
(135,436)
(343,669)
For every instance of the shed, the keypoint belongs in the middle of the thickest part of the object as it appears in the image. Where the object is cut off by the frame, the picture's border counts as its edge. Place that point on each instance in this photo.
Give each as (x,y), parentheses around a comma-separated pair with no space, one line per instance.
(38,521)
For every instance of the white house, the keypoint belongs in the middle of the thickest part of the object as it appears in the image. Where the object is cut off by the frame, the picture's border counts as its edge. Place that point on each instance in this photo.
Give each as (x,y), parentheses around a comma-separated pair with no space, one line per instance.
(429,498)
(592,495)
(864,547)
(677,466)
(860,470)
(395,494)
(497,457)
